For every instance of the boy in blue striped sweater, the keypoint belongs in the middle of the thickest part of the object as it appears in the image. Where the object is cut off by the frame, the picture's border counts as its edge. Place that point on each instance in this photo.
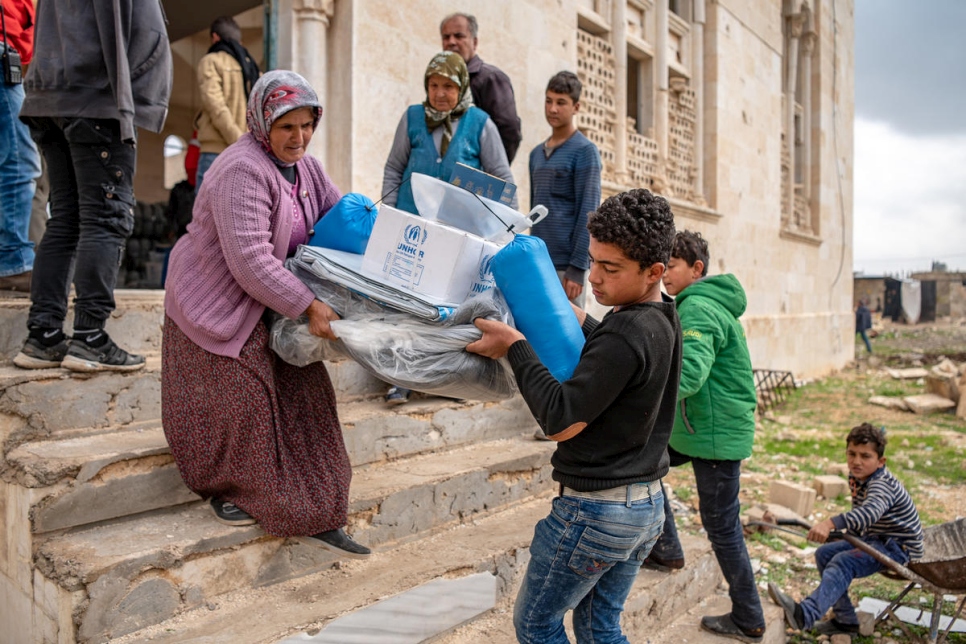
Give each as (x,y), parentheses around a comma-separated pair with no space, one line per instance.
(565,177)
(883,515)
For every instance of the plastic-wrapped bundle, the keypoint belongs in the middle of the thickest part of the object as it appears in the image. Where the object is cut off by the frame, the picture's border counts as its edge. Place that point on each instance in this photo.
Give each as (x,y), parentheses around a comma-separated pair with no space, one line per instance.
(294,344)
(426,357)
(524,273)
(401,349)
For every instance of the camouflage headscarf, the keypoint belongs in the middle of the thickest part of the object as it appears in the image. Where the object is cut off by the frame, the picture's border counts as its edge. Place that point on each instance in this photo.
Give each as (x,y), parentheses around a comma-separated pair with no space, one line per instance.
(449,65)
(274,95)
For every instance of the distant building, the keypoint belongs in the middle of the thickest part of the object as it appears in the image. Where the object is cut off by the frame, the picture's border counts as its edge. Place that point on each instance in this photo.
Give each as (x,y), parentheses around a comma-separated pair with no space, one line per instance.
(943,294)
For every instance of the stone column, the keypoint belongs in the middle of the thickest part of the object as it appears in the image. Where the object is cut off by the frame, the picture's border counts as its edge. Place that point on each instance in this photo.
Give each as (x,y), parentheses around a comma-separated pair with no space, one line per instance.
(311,57)
(796,22)
(619,35)
(808,48)
(661,94)
(697,82)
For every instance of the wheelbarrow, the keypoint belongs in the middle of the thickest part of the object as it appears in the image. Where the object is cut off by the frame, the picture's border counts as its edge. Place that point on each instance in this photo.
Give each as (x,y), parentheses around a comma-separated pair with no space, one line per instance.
(940,571)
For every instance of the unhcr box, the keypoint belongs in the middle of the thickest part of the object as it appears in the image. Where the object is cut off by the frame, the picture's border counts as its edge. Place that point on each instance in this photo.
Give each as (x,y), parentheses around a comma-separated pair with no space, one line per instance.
(483,184)
(435,260)
(484,280)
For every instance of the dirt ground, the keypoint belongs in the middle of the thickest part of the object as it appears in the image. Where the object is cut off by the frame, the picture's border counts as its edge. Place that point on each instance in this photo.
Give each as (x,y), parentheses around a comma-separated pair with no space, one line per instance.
(805,436)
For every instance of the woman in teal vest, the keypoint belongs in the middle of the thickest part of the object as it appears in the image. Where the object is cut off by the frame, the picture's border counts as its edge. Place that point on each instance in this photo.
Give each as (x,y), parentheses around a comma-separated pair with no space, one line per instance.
(444,130)
(433,137)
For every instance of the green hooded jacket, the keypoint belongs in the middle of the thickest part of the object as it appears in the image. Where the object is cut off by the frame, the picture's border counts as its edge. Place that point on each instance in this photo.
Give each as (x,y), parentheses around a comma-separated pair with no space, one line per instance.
(715,416)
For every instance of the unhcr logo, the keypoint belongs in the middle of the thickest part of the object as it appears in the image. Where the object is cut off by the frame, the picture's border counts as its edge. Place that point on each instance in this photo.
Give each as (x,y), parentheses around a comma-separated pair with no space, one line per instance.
(485,267)
(413,235)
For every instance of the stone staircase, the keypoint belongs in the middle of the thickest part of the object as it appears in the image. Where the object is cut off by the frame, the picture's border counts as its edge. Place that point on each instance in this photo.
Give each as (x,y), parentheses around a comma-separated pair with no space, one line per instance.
(103,542)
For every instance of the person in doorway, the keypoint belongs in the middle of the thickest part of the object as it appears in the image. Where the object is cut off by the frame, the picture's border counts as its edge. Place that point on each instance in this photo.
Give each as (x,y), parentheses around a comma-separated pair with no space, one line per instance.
(226,75)
(611,421)
(96,76)
(436,135)
(19,159)
(863,322)
(883,515)
(565,177)
(268,448)
(491,88)
(714,427)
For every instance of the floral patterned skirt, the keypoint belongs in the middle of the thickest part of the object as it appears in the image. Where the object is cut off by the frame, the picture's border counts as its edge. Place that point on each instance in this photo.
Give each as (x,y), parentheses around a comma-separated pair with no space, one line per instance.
(256,431)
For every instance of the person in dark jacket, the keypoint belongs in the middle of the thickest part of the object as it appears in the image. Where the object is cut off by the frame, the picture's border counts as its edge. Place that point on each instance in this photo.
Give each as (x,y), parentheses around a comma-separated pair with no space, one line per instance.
(19,160)
(491,88)
(863,322)
(714,426)
(611,419)
(101,69)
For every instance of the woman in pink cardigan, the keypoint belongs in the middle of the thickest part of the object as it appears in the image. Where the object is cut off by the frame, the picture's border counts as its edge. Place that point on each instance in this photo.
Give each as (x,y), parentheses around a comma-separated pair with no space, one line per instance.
(259,437)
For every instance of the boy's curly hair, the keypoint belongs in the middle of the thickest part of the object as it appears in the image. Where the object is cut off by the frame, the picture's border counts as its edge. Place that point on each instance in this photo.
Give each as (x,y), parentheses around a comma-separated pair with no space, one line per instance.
(691,247)
(867,433)
(637,222)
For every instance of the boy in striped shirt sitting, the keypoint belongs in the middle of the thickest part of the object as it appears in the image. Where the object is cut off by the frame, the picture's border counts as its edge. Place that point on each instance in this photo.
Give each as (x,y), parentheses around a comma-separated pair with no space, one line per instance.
(882,515)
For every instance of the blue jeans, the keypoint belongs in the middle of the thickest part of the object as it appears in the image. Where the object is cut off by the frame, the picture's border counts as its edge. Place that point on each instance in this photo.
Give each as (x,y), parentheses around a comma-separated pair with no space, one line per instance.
(839,563)
(718,486)
(865,338)
(205,159)
(19,169)
(584,557)
(91,175)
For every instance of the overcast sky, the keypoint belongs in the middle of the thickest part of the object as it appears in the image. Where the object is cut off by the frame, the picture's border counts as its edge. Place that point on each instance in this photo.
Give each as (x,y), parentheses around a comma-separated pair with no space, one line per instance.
(910,135)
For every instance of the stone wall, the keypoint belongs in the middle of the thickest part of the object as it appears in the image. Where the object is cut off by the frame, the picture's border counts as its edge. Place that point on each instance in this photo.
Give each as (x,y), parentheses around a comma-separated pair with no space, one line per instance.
(711,138)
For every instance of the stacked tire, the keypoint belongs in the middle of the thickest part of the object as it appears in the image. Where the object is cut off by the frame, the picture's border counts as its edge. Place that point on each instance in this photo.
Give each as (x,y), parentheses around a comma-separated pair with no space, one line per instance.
(147,247)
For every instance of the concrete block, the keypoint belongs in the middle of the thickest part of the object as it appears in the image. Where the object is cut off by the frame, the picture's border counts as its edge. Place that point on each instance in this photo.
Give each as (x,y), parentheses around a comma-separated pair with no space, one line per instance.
(830,486)
(838,469)
(119,606)
(945,385)
(121,489)
(755,513)
(866,623)
(913,373)
(796,497)
(889,402)
(929,403)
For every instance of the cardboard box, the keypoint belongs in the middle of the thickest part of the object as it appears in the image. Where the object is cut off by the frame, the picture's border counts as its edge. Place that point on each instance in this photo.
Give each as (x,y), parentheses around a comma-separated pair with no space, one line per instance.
(483,184)
(427,257)
(484,280)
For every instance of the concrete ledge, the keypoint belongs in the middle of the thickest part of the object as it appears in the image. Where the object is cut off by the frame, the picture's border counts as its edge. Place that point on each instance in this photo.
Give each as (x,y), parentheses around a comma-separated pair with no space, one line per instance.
(148,568)
(92,477)
(135,324)
(495,544)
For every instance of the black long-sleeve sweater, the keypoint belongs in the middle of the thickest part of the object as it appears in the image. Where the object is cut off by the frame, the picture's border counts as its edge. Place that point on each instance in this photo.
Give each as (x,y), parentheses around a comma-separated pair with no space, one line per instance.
(624,389)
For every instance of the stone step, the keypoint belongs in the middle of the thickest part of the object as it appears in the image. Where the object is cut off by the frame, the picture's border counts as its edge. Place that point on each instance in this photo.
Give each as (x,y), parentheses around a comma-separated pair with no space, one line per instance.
(655,601)
(168,561)
(496,544)
(37,403)
(135,324)
(95,477)
(686,628)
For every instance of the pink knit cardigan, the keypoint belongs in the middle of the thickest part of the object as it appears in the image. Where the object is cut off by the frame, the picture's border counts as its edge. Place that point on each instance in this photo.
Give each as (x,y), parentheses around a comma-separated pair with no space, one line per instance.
(228,267)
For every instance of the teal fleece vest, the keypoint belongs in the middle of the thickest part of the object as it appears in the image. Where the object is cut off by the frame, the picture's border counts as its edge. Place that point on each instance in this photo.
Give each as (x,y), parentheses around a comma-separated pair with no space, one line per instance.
(423,157)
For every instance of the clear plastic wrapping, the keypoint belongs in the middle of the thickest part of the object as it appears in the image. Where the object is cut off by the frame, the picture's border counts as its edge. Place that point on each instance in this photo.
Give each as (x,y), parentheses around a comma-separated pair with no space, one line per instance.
(400,348)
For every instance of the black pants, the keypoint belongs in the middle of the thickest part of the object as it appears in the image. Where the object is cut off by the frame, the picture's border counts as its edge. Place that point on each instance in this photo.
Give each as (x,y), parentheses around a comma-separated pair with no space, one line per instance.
(91,216)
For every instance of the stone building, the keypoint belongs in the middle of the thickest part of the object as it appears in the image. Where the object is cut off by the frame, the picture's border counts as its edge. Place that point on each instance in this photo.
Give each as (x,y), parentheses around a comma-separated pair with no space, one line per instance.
(741,113)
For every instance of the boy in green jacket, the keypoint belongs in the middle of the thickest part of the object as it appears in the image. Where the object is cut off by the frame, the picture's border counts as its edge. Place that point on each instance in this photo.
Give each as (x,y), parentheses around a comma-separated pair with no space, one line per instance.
(714,426)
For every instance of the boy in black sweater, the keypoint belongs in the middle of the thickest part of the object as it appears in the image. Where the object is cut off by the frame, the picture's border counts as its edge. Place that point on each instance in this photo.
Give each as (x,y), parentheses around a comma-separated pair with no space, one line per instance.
(612,420)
